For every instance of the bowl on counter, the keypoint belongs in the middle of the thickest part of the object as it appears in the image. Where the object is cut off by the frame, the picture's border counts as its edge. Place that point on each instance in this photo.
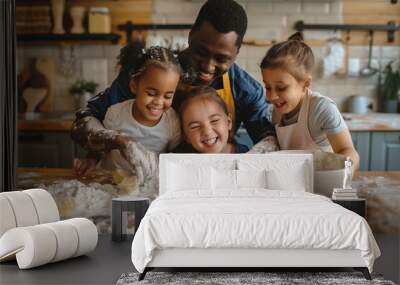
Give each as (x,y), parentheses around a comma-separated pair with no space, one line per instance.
(326,180)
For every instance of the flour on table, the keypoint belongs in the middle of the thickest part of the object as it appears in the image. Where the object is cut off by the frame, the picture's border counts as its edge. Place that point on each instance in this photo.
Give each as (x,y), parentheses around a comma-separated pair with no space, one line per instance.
(146,166)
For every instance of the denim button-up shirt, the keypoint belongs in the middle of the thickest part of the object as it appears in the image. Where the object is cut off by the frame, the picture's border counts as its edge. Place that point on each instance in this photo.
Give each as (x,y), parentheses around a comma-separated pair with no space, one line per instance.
(251,107)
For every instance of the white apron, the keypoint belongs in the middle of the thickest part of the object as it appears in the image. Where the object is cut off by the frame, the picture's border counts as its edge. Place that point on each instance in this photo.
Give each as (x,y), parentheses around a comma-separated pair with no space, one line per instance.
(297,136)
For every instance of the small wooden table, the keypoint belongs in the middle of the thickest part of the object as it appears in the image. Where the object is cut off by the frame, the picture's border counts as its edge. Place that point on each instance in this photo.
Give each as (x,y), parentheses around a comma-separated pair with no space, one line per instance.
(356,205)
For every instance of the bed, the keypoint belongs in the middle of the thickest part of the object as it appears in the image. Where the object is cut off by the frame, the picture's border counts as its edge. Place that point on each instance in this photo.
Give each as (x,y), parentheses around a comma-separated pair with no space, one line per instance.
(247,210)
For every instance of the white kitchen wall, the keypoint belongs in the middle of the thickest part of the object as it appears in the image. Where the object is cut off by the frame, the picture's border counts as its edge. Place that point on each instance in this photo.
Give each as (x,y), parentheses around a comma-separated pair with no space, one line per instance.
(69,69)
(274,19)
(268,19)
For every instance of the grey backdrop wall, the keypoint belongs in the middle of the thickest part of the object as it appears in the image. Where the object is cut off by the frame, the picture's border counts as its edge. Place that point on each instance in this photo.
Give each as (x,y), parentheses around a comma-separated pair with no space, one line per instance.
(8,96)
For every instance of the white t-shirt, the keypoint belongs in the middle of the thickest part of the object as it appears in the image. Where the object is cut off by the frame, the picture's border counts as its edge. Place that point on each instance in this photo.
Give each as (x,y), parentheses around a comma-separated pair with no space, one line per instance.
(160,138)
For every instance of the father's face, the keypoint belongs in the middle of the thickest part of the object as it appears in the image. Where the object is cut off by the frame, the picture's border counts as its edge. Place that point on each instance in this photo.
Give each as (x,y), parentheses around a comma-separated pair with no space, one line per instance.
(212,52)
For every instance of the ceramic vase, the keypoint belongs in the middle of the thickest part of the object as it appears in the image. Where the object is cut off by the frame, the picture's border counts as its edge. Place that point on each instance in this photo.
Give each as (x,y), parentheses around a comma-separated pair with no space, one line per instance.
(57,8)
(77,15)
(33,97)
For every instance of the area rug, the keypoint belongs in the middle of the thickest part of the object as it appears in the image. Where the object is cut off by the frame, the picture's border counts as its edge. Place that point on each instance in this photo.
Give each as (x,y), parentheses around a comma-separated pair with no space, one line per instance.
(243,278)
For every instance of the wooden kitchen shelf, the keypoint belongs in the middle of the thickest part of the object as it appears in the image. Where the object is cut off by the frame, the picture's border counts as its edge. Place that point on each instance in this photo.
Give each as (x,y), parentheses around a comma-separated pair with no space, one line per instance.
(113,38)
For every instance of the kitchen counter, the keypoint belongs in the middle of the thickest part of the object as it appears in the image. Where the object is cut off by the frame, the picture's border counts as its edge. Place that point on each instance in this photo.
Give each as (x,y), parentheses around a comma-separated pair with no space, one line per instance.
(44,174)
(381,189)
(380,122)
(393,175)
(58,121)
(372,122)
(91,196)
(51,174)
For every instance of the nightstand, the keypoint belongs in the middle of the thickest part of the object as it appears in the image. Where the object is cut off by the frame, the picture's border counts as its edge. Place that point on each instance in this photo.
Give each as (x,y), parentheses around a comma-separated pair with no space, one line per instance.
(357,205)
(120,207)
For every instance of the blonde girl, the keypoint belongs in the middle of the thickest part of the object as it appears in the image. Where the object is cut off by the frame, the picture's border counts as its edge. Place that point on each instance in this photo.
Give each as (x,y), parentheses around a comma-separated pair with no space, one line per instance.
(303,119)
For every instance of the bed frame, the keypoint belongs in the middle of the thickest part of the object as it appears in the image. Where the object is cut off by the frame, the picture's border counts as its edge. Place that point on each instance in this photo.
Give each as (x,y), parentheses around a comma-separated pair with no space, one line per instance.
(242,259)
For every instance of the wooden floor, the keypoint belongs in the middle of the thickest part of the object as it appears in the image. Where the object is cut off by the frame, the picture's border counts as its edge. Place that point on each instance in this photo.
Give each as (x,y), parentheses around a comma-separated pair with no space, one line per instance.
(110,260)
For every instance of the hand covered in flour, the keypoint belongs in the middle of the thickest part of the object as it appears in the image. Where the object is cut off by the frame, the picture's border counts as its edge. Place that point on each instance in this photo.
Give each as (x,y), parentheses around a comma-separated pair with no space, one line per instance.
(121,142)
(107,140)
(84,166)
(90,133)
(92,136)
(145,162)
(267,144)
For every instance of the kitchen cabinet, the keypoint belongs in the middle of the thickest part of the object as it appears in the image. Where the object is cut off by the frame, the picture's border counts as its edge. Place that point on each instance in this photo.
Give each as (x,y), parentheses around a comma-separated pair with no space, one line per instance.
(385,151)
(47,149)
(378,150)
(362,141)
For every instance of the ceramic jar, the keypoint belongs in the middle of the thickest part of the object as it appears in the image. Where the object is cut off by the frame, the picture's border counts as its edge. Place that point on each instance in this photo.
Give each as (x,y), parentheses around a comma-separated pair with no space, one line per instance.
(57,8)
(358,104)
(77,15)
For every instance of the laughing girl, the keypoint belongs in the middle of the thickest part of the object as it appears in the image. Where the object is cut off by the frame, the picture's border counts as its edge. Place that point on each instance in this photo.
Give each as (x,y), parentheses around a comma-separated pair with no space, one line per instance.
(304,119)
(207,124)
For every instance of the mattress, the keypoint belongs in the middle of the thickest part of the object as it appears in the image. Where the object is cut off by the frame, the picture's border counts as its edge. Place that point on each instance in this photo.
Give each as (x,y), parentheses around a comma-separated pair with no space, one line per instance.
(252,219)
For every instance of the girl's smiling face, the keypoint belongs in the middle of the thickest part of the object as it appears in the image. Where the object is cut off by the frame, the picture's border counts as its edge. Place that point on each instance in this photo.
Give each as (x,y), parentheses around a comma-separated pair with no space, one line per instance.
(154,93)
(206,126)
(284,91)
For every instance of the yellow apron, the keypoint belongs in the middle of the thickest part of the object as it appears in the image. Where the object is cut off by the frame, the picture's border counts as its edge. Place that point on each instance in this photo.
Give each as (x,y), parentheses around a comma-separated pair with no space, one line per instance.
(227,96)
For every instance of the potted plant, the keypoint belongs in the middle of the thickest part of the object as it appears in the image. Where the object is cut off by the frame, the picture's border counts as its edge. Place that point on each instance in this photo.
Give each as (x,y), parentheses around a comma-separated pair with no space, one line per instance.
(83,90)
(390,89)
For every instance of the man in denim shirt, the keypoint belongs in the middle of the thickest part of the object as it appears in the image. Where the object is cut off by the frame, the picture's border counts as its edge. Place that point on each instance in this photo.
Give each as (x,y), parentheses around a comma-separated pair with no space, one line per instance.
(214,43)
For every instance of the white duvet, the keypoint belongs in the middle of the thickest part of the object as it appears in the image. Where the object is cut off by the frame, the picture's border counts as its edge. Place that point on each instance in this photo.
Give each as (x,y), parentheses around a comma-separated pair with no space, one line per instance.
(255,218)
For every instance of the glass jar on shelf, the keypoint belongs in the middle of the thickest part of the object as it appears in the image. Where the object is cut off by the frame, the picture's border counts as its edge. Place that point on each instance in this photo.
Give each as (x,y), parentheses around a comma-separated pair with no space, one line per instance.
(99,20)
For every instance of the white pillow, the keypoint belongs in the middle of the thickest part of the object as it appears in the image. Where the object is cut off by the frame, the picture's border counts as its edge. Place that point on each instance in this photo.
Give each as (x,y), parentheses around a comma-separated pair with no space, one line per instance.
(294,179)
(183,177)
(281,174)
(224,179)
(251,179)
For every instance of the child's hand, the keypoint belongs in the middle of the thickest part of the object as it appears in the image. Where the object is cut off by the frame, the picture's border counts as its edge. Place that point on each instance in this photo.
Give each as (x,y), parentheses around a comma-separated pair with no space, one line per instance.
(121,141)
(83,166)
(267,144)
(107,140)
